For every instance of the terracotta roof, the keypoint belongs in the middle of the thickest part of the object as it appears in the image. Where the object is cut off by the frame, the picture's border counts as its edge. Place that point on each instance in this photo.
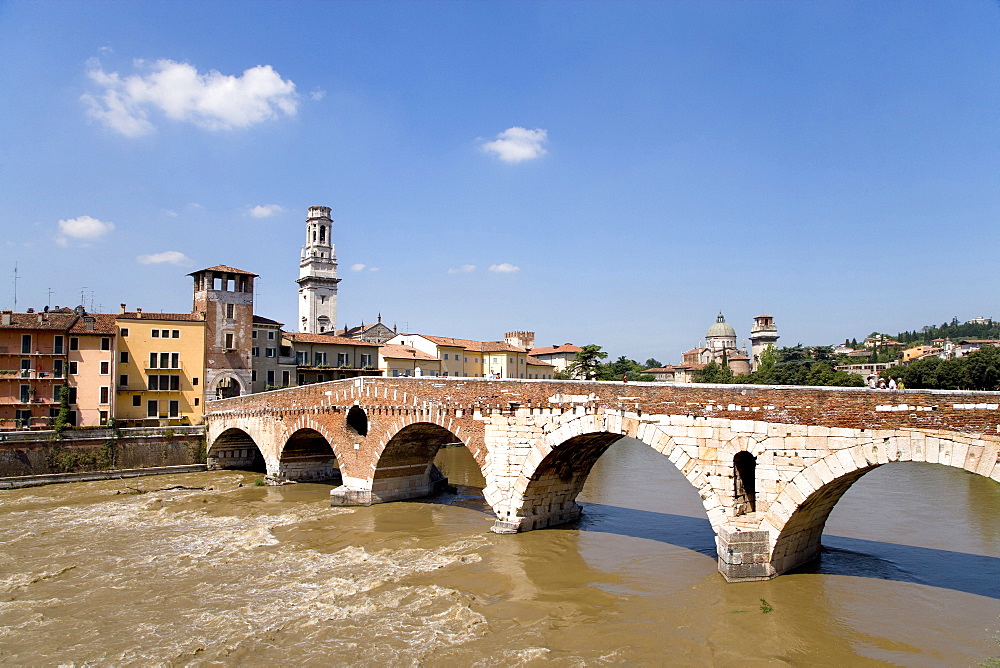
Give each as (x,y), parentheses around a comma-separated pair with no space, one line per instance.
(224,268)
(147,315)
(564,348)
(662,369)
(532,361)
(404,352)
(41,320)
(471,345)
(261,320)
(301,337)
(104,324)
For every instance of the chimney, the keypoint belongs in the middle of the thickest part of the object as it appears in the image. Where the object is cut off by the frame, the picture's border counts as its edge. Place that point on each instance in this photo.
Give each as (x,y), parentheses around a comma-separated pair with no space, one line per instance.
(122,311)
(138,313)
(88,323)
(5,317)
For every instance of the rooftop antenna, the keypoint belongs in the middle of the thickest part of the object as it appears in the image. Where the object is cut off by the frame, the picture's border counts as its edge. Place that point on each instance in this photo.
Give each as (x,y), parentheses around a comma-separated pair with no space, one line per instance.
(15,285)
(49,303)
(83,295)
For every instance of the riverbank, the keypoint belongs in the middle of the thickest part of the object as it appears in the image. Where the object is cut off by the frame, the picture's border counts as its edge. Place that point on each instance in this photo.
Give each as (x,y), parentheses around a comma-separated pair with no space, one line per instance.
(17,482)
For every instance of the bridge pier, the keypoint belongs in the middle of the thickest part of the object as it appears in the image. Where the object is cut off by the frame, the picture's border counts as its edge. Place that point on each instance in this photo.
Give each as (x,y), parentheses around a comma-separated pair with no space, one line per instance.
(362,492)
(744,554)
(233,458)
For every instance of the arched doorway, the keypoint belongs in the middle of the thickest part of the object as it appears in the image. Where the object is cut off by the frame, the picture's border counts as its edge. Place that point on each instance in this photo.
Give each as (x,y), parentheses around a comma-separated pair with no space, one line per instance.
(228,387)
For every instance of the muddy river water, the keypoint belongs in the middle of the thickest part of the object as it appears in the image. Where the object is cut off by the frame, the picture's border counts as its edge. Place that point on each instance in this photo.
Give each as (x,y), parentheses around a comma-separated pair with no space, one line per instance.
(252,575)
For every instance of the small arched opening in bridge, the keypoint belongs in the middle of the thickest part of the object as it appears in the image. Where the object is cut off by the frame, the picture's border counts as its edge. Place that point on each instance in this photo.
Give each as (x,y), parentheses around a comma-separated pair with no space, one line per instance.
(236,449)
(307,456)
(744,483)
(357,420)
(913,521)
(405,468)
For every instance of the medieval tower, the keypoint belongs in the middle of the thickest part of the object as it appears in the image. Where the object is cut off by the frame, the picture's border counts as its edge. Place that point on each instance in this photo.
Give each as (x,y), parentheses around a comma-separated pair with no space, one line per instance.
(224,296)
(318,275)
(764,333)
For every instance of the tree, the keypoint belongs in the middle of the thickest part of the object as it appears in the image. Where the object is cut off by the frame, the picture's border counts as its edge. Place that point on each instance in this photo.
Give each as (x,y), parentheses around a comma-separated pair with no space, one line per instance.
(653,363)
(587,362)
(713,373)
(983,368)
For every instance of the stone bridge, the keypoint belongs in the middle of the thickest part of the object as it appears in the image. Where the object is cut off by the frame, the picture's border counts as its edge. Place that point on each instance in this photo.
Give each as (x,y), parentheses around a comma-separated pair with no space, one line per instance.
(769,462)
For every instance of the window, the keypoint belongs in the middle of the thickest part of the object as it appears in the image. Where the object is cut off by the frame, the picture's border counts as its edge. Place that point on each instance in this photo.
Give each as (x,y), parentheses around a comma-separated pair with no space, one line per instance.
(319,359)
(155,333)
(73,368)
(320,378)
(165,333)
(196,401)
(175,408)
(271,352)
(152,360)
(105,368)
(57,368)
(153,382)
(270,336)
(395,373)
(72,395)
(57,345)
(164,360)
(103,417)
(302,379)
(123,357)
(26,343)
(25,366)
(175,333)
(465,359)
(301,357)
(253,376)
(255,351)
(229,341)
(270,378)
(343,359)
(230,310)
(152,408)
(123,380)
(124,331)
(175,360)
(74,343)
(285,378)
(57,393)
(105,343)
(137,400)
(105,393)
(446,355)
(366,359)
(194,381)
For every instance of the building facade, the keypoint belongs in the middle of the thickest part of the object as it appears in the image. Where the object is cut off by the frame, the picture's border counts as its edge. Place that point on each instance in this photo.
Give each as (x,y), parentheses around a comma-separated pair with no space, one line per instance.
(223,296)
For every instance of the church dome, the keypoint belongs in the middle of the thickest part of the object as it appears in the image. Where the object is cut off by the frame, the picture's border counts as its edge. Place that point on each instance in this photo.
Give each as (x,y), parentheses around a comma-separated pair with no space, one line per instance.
(721,329)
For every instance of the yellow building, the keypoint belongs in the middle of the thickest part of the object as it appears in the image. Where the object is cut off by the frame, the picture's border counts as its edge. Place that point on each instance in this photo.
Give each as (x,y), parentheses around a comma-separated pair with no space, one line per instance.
(161,368)
(92,369)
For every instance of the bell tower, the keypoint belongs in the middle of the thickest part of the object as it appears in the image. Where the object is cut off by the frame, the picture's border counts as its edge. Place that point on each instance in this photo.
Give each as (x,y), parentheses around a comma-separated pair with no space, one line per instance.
(763,335)
(318,275)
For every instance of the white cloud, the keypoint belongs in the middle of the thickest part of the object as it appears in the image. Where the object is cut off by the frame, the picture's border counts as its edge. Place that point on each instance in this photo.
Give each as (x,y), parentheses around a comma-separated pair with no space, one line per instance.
(83,229)
(166,257)
(518,144)
(170,213)
(264,210)
(361,267)
(505,268)
(317,95)
(213,100)
(464,269)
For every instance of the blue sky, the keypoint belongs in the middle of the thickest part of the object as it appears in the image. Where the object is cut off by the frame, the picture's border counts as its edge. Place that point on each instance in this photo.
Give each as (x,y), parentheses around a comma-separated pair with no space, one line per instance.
(597,172)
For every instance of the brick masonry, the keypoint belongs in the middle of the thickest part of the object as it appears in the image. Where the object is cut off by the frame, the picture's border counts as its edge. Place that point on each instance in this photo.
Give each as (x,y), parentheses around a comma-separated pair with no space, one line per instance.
(536,442)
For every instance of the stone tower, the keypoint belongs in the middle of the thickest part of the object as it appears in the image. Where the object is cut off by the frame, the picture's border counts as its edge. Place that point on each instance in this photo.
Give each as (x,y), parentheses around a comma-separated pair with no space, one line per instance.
(224,296)
(764,333)
(318,275)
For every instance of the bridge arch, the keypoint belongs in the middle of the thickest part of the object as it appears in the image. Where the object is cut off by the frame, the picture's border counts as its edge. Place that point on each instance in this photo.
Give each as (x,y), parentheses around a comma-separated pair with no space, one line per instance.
(307,453)
(554,473)
(800,512)
(404,465)
(236,448)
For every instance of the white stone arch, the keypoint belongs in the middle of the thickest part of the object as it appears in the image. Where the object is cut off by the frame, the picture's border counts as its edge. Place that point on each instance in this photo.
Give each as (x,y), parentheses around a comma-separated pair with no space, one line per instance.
(562,507)
(231,453)
(798,515)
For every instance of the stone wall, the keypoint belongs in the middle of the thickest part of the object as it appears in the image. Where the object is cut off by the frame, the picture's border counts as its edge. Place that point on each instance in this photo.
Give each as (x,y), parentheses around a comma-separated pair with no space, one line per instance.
(45,452)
